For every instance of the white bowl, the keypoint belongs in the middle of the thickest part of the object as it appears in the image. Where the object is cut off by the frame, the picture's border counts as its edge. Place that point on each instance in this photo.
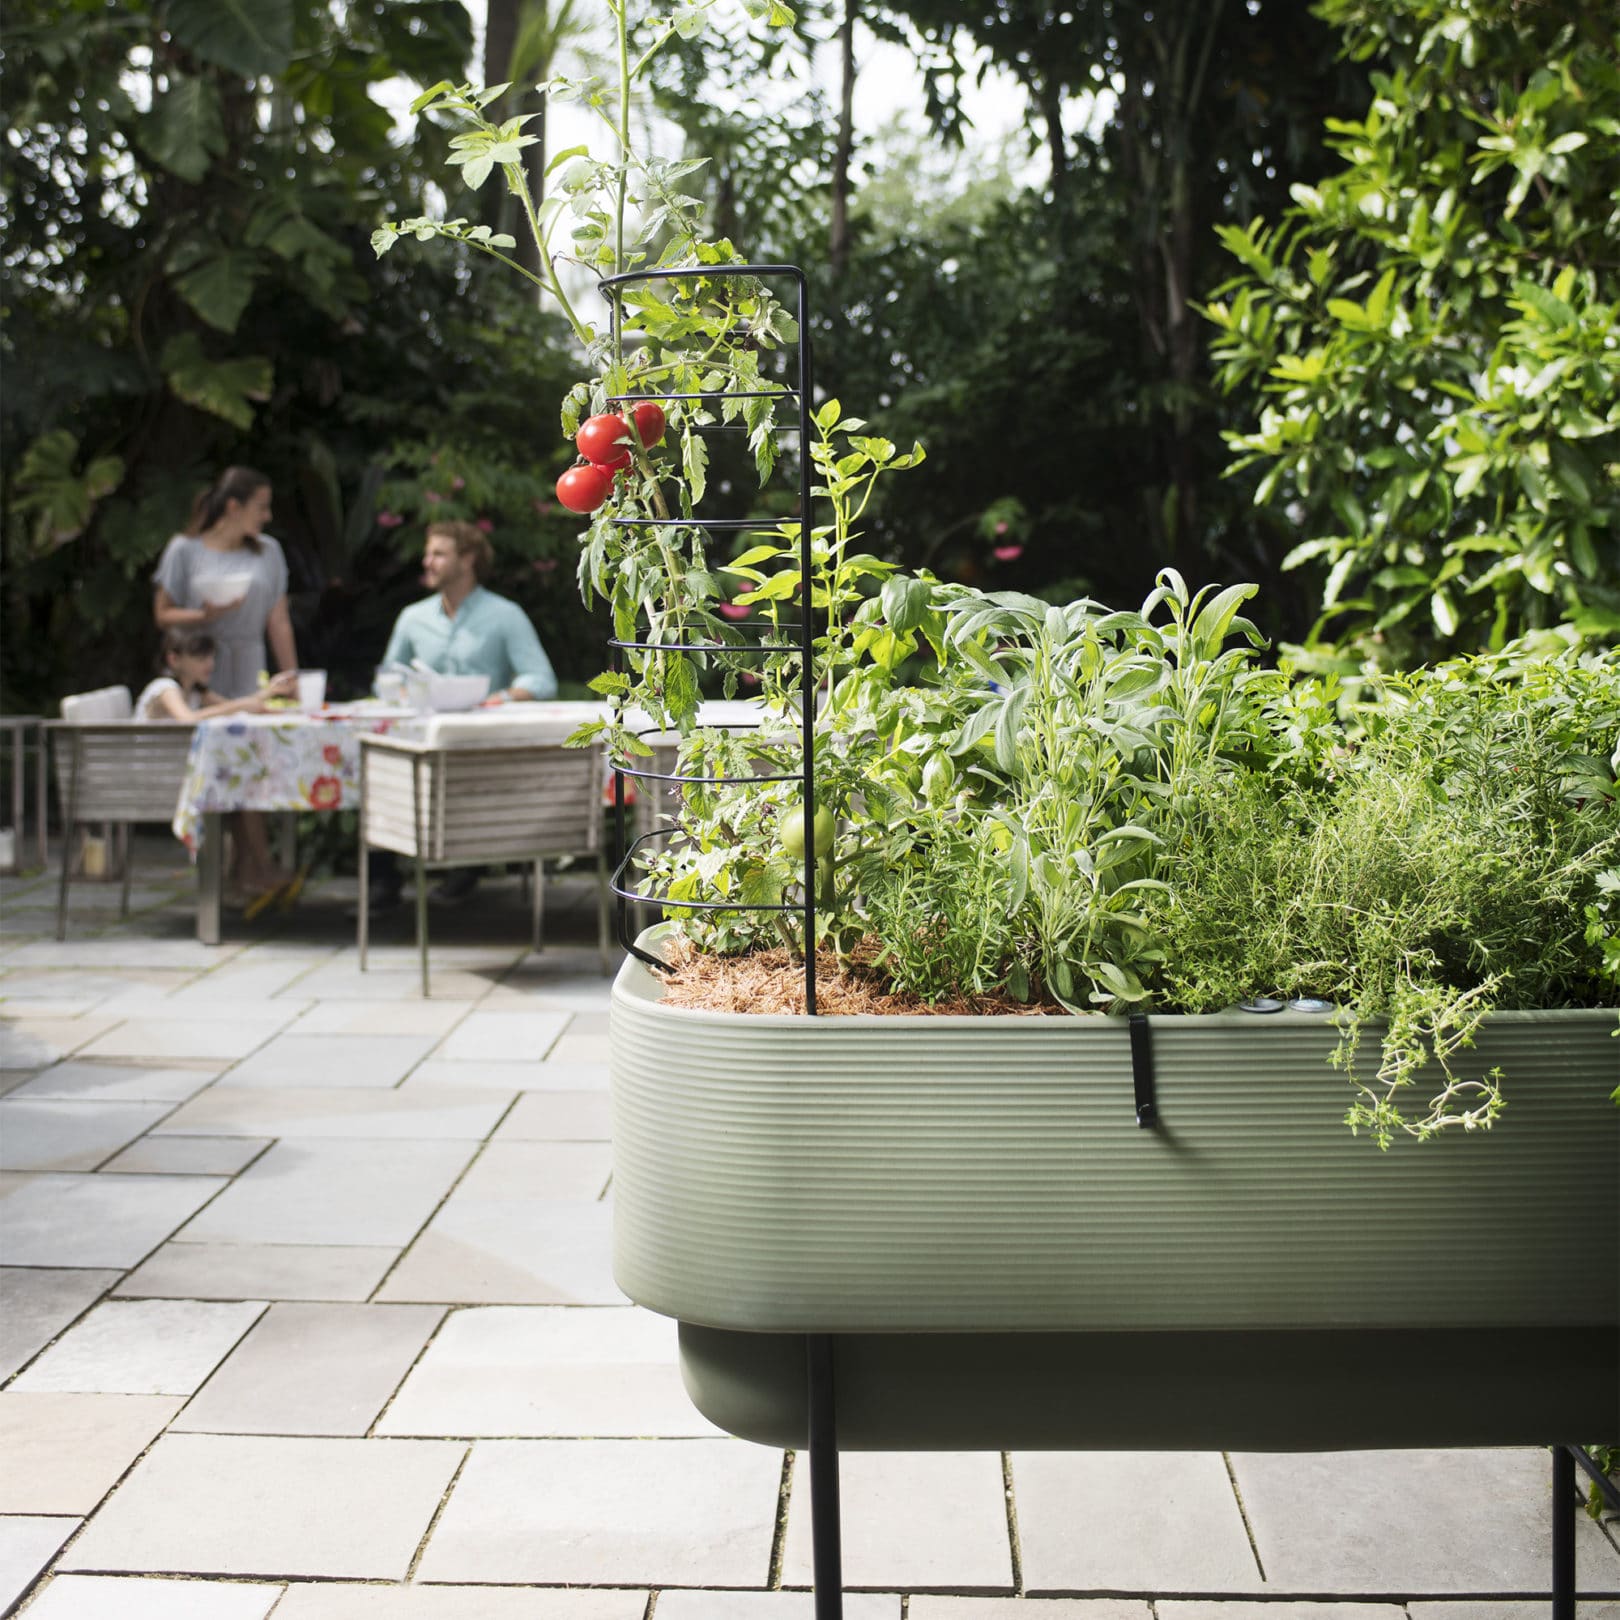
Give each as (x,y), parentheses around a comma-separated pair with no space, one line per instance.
(223,588)
(448,693)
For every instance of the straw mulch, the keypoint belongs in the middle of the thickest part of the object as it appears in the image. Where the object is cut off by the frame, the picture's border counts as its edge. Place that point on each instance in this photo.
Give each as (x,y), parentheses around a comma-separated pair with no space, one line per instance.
(771,981)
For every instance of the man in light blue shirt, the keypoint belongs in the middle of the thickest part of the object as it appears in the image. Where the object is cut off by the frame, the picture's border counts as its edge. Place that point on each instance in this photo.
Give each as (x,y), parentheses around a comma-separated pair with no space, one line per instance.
(463,630)
(466,630)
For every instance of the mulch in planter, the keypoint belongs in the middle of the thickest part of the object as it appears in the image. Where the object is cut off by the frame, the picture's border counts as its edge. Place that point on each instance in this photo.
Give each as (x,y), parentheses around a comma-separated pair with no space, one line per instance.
(772,981)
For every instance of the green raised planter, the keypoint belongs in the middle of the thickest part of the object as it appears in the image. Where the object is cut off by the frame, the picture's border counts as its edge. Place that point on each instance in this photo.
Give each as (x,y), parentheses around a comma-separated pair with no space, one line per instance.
(949,1180)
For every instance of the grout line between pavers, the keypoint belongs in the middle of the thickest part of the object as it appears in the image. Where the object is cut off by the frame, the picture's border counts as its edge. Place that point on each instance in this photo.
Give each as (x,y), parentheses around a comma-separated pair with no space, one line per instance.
(1243,1512)
(438,1513)
(784,1497)
(1014,1546)
(432,1215)
(416,1361)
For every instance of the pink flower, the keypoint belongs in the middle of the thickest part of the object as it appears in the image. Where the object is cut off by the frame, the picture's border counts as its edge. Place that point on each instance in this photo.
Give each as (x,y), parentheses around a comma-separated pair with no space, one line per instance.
(485,525)
(432,497)
(1007,553)
(389,520)
(732,610)
(458,482)
(543,507)
(1001,526)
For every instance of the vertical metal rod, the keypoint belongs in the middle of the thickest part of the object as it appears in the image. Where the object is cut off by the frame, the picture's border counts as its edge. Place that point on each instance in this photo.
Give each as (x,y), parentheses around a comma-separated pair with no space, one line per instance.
(620,842)
(41,790)
(807,641)
(826,1556)
(19,756)
(1563,1534)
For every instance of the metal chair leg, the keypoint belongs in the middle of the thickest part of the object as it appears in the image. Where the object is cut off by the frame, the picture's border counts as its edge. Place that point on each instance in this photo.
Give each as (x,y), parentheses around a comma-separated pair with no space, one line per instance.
(70,826)
(826,1556)
(362,921)
(537,905)
(603,907)
(421,919)
(127,861)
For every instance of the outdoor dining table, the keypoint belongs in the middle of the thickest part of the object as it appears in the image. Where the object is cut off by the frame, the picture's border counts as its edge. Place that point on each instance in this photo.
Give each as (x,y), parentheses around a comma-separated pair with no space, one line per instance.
(268,762)
(291,760)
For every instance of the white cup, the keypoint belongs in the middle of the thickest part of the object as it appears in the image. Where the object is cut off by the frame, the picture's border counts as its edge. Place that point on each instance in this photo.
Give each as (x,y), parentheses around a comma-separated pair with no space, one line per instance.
(311,689)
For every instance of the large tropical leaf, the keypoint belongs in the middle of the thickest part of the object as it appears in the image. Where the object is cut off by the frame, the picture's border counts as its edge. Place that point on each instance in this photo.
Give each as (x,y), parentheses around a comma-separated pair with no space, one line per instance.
(249,37)
(61,498)
(223,388)
(184,131)
(216,285)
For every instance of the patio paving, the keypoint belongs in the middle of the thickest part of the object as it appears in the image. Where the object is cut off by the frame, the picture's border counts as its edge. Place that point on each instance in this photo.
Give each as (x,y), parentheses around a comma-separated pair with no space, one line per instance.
(307,1314)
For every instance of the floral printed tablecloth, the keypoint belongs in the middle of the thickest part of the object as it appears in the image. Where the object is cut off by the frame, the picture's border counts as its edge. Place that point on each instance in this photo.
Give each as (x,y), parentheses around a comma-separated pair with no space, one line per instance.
(273,762)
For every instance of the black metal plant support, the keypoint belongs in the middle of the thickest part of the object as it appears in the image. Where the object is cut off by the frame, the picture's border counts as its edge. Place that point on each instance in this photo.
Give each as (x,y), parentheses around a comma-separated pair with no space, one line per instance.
(823,1435)
(802,649)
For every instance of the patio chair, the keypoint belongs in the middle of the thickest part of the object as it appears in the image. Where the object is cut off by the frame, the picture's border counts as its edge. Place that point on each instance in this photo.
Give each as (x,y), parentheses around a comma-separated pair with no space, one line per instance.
(115,771)
(470,795)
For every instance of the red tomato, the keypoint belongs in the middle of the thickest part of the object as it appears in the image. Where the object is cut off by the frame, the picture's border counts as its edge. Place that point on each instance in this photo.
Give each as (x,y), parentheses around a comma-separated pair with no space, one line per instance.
(649,420)
(583,489)
(602,439)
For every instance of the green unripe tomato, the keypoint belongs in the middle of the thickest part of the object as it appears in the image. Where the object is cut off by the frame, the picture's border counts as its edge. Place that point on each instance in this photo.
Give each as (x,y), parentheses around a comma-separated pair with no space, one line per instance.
(791,827)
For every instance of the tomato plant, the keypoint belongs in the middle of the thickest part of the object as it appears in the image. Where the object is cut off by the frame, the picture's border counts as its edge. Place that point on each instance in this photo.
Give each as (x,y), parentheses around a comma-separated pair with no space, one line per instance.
(650,422)
(604,440)
(582,489)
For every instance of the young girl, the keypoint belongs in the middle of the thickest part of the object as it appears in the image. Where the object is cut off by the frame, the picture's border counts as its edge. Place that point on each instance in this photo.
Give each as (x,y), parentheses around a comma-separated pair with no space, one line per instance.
(182,693)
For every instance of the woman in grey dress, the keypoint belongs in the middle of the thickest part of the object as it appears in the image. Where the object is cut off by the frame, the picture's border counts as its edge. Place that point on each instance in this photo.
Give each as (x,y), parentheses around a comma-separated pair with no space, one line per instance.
(225,574)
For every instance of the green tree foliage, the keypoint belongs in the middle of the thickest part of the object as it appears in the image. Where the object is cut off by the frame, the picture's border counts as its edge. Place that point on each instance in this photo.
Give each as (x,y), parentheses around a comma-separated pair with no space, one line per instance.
(1429,341)
(189,189)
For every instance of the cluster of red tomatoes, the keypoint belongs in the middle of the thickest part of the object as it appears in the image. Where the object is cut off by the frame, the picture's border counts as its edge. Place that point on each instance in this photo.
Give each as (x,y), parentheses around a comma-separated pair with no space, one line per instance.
(603,443)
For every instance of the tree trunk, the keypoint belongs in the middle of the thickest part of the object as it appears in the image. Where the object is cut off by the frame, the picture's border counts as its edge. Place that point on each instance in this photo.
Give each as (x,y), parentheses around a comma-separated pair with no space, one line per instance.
(1049,95)
(838,242)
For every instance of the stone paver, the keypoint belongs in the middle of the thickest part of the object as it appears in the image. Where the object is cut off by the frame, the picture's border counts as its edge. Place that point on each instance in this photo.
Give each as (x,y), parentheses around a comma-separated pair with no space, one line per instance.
(940,1607)
(297,1059)
(135,1597)
(345,1192)
(1239,1610)
(1478,1609)
(1130,1521)
(934,1518)
(516,1076)
(32,1043)
(260,1271)
(37,1303)
(437,1017)
(691,1605)
(187,1155)
(541,1172)
(543,1371)
(27,1545)
(464,1113)
(228,1505)
(1396,1521)
(118,1082)
(676,1512)
(230,1037)
(63,1453)
(556,1116)
(510,1252)
(337,1601)
(86,1220)
(46,1135)
(503,1037)
(141,1347)
(313,1369)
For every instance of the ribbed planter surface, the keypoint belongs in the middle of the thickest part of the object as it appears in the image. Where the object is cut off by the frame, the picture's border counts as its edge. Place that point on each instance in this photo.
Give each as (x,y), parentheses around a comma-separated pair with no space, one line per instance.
(869,1174)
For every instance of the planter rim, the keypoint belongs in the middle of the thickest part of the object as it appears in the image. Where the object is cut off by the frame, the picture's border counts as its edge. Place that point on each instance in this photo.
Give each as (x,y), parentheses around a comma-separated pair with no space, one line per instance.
(637,983)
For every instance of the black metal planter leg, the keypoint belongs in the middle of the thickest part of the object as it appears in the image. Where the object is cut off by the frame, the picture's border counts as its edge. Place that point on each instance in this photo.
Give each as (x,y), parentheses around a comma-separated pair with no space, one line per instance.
(825,1534)
(1563,1534)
